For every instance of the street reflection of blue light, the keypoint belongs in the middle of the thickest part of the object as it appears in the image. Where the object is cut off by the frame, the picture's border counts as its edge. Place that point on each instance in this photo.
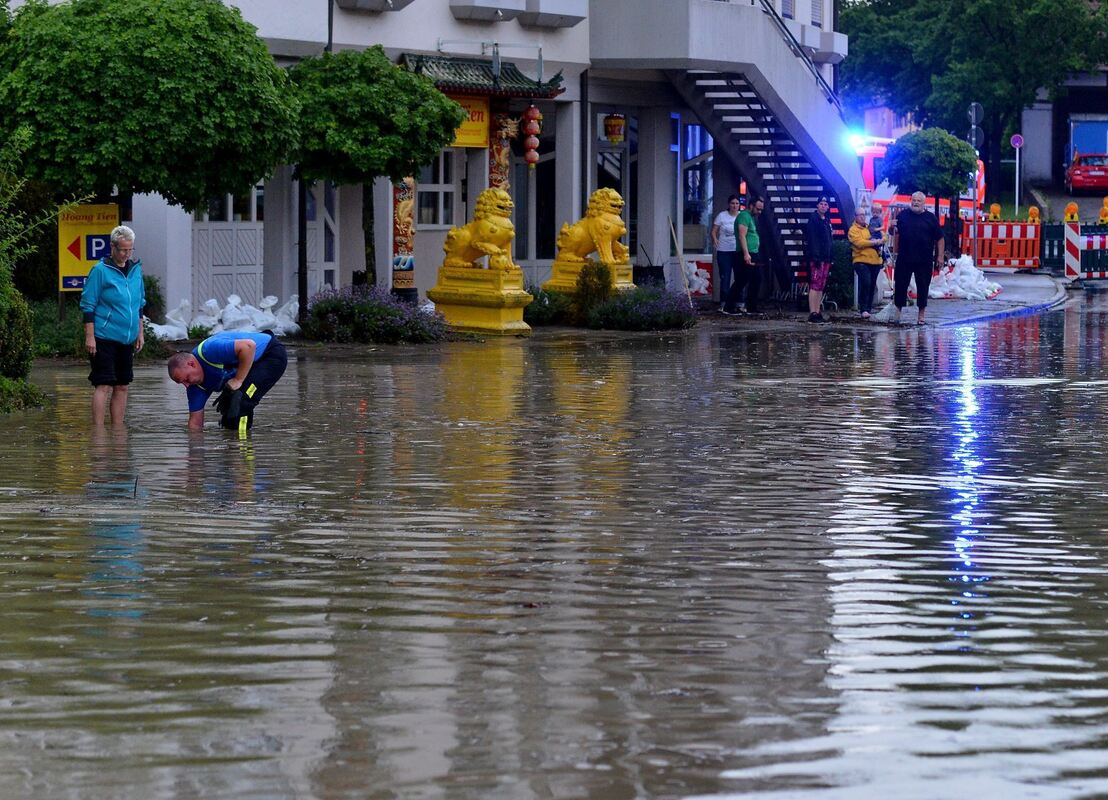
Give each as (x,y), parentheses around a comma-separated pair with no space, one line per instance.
(968,461)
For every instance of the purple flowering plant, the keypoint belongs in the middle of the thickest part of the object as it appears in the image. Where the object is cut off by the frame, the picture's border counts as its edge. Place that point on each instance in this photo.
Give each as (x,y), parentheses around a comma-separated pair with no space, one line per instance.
(369,314)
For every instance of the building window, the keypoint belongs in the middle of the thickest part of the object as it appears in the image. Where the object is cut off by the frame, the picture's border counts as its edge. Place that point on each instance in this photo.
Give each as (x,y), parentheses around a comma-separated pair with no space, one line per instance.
(246,207)
(437,190)
(817,13)
(788,8)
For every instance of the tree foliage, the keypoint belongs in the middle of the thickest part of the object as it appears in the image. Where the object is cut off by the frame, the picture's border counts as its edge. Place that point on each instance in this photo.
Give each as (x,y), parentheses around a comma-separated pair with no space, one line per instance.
(16,233)
(178,97)
(932,58)
(930,161)
(365,117)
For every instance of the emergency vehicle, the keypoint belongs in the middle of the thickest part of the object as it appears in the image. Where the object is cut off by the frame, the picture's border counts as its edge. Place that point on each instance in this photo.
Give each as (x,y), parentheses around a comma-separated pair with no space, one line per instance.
(871,152)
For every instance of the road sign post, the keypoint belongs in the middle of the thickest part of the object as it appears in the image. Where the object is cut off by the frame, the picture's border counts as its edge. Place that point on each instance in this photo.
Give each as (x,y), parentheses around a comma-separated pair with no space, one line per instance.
(976,137)
(1017,143)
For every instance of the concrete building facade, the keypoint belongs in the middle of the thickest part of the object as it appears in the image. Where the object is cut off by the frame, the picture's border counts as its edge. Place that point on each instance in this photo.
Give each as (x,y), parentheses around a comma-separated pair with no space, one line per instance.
(714,95)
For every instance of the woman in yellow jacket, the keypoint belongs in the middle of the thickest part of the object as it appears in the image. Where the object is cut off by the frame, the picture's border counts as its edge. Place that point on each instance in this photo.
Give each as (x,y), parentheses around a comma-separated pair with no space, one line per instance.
(866,255)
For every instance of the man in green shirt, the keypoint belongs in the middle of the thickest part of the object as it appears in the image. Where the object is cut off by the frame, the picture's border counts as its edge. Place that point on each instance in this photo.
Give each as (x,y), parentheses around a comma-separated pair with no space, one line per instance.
(748,267)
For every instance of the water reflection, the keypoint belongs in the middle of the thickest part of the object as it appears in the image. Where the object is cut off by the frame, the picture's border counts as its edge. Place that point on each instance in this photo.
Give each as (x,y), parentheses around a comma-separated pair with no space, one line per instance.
(822,563)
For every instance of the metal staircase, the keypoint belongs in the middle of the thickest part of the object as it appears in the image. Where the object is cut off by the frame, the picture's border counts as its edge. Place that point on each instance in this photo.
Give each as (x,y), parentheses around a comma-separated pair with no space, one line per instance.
(764,152)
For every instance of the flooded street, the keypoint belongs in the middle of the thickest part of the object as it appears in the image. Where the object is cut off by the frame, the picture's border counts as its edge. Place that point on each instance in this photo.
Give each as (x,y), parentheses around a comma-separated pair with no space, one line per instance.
(841,563)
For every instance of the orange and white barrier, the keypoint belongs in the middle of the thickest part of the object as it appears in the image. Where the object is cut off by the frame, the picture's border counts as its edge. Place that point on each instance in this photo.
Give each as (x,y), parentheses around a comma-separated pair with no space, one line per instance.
(1006,245)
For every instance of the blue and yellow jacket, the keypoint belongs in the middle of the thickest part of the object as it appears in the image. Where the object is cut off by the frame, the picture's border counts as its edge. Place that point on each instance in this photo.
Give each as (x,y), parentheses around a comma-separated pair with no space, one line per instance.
(112,300)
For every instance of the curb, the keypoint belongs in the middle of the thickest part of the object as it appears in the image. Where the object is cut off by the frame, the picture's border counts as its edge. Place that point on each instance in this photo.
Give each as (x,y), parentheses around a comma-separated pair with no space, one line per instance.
(1056,299)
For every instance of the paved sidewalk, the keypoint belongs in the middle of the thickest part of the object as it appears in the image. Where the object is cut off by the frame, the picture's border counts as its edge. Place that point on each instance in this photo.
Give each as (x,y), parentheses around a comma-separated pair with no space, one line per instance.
(1021,293)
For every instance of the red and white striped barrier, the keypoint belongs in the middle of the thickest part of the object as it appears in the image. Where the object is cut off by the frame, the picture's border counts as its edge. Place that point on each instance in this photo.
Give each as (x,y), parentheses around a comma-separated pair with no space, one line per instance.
(1075,244)
(1072,237)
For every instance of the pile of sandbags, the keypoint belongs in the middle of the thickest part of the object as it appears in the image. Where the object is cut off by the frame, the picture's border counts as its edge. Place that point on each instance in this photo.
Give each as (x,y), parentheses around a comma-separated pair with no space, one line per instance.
(958,279)
(962,279)
(232,316)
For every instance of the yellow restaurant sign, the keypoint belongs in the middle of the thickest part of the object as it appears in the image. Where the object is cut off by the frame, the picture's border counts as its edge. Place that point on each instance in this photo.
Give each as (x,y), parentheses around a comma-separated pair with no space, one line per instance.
(83,239)
(474,130)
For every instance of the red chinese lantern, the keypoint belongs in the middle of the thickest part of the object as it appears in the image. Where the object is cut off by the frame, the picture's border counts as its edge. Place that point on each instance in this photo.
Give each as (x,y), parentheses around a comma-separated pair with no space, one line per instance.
(532,127)
(614,126)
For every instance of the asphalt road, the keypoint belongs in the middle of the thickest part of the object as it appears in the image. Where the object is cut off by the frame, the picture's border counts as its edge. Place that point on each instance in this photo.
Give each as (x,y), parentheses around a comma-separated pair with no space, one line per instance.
(1088,204)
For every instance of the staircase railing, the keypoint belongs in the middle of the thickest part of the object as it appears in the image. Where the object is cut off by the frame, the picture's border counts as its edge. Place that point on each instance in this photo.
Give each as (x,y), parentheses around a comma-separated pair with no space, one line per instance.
(798,51)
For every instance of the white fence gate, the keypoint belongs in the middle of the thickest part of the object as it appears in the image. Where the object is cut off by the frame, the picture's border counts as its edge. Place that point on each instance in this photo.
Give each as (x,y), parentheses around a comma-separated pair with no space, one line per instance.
(227,259)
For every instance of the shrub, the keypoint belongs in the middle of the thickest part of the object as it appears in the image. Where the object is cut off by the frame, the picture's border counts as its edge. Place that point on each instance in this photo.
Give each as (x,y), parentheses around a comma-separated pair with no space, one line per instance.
(153,348)
(35,271)
(199,332)
(155,300)
(18,395)
(643,309)
(547,308)
(16,350)
(594,286)
(840,282)
(362,314)
(54,338)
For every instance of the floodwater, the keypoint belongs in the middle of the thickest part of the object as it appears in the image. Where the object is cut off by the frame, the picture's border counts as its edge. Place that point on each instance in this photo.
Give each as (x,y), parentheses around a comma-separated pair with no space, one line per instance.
(842,563)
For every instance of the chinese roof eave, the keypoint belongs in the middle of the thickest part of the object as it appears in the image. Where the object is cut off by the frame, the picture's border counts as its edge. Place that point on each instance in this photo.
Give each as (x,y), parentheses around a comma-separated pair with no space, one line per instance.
(472,76)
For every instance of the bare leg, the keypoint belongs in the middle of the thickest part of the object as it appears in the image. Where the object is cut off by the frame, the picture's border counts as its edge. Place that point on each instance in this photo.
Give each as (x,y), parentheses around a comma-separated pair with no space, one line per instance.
(99,403)
(119,404)
(815,300)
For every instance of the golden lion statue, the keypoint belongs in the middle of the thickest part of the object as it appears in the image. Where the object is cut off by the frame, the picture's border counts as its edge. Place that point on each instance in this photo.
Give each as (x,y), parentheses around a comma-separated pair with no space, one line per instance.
(598,230)
(489,234)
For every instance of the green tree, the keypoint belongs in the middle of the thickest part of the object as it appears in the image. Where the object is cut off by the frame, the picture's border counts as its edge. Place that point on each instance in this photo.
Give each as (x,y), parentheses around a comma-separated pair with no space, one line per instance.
(364,117)
(178,97)
(16,234)
(935,163)
(932,58)
(930,161)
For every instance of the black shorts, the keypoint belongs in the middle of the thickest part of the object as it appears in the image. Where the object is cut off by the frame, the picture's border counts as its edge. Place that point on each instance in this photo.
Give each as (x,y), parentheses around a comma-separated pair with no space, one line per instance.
(113,364)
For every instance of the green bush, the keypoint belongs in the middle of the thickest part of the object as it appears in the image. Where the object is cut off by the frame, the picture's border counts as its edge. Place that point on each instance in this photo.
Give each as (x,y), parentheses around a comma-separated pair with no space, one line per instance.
(16,351)
(155,300)
(54,338)
(644,309)
(198,332)
(594,286)
(361,314)
(547,308)
(153,348)
(18,395)
(35,271)
(840,283)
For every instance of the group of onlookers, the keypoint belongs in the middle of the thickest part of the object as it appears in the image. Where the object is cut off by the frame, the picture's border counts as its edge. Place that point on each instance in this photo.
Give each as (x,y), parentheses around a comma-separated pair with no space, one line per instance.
(914,242)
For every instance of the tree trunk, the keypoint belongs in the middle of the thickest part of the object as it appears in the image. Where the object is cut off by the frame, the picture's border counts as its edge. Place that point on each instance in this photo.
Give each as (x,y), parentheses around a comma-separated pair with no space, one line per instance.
(302,249)
(367,228)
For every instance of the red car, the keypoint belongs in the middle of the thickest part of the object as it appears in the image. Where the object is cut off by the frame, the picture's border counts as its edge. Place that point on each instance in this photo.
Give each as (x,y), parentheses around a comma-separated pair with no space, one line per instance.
(1087,172)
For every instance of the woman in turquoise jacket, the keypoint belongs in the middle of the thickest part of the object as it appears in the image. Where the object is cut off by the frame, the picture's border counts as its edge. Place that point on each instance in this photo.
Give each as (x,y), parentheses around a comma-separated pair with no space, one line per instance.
(111,305)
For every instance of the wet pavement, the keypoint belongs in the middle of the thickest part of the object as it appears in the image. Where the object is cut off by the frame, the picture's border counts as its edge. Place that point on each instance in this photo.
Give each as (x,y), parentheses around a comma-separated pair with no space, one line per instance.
(840,561)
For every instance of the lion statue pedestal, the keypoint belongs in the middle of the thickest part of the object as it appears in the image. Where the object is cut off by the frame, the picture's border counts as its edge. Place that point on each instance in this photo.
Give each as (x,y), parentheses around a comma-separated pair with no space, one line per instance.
(475,299)
(598,231)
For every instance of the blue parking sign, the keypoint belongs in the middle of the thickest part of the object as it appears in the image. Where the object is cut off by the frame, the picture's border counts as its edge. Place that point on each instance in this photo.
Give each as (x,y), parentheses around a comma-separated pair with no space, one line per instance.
(97,245)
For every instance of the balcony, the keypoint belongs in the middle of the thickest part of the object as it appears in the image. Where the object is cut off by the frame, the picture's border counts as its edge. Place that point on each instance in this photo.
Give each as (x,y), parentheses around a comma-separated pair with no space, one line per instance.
(487,10)
(554,13)
(374,6)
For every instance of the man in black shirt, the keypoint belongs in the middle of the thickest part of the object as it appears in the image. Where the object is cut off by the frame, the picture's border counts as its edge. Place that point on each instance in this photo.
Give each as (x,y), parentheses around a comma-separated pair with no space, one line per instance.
(919,248)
